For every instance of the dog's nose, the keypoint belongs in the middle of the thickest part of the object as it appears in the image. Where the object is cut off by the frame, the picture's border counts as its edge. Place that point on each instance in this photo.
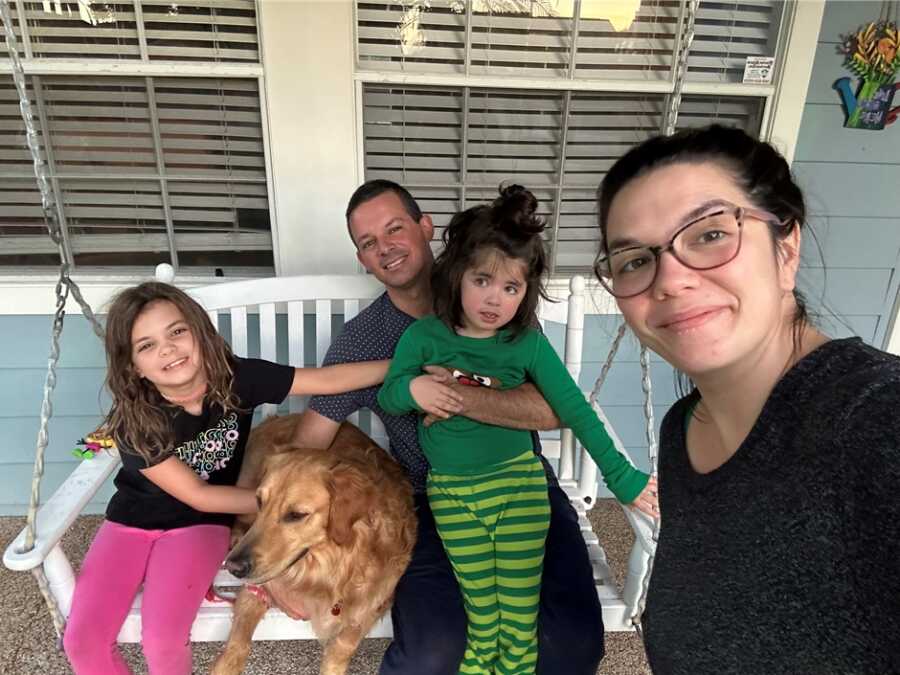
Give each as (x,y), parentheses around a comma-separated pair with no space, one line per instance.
(239,567)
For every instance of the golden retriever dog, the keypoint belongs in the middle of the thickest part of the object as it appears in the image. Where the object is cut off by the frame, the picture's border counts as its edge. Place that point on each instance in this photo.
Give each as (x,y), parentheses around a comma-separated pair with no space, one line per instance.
(334,533)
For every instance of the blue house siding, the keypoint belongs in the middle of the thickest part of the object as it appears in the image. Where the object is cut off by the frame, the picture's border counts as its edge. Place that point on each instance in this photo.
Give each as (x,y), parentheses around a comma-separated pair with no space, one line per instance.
(77,403)
(850,180)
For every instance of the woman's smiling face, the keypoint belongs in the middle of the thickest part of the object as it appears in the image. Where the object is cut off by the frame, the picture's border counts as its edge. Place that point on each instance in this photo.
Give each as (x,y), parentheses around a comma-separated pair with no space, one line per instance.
(702,320)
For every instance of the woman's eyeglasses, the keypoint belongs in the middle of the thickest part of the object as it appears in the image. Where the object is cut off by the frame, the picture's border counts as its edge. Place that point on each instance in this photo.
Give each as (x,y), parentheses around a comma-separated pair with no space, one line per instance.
(703,244)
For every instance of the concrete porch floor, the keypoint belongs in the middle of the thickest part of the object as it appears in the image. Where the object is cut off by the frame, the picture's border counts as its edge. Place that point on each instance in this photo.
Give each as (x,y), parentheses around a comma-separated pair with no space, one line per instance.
(28,642)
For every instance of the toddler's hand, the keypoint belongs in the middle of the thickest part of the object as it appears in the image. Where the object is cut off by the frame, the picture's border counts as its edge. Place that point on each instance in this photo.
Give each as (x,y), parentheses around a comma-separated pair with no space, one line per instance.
(435,398)
(648,500)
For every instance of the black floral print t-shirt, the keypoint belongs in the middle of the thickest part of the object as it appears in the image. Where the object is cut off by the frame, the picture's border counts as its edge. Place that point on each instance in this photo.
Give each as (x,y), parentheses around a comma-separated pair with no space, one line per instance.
(211,444)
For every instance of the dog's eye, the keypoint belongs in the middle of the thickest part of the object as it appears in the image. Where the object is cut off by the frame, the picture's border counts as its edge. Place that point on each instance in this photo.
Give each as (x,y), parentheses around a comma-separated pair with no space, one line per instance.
(294,516)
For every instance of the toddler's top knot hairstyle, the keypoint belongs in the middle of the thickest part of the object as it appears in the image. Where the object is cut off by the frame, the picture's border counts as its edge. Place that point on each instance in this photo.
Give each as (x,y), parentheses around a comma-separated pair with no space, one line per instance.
(515,212)
(509,226)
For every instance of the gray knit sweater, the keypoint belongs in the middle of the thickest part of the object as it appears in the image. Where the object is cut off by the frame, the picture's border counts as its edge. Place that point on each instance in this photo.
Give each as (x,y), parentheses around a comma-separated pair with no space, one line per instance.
(786,559)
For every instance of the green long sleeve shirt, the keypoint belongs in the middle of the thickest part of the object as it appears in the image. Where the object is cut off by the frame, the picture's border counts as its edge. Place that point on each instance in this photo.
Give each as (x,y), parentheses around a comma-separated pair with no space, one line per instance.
(464,446)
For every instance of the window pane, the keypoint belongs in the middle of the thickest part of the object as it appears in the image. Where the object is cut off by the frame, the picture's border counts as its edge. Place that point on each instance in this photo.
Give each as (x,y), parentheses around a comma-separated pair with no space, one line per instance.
(628,41)
(726,33)
(119,183)
(618,45)
(418,37)
(413,135)
(103,31)
(199,30)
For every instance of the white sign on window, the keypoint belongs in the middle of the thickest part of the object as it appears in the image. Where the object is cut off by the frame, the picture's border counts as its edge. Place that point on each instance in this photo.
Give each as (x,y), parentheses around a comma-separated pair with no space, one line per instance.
(759,69)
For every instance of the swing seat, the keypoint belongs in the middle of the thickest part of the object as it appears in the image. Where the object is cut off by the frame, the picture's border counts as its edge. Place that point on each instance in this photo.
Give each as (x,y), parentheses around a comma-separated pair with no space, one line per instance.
(299,312)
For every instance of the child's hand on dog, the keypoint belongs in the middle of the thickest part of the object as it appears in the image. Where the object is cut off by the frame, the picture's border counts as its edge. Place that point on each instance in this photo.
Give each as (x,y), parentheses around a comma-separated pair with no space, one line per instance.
(435,398)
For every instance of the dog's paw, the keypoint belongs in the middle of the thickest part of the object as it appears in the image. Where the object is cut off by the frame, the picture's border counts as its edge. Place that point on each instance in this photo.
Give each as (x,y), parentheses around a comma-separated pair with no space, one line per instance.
(230,662)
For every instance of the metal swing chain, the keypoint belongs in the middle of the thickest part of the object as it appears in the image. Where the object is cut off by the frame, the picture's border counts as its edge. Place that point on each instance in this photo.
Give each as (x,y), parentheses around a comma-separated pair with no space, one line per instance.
(687,38)
(652,444)
(64,286)
(604,371)
(653,454)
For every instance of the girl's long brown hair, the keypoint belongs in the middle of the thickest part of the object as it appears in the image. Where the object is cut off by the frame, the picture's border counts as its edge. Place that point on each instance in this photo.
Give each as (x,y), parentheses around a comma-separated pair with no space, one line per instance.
(140,419)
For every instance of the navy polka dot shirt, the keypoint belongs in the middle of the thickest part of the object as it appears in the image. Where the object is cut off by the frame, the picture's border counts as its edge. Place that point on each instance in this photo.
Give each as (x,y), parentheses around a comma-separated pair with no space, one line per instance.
(370,336)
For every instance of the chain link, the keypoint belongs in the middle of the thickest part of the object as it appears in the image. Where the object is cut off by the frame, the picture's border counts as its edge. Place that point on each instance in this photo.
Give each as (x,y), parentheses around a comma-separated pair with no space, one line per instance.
(604,371)
(653,453)
(687,39)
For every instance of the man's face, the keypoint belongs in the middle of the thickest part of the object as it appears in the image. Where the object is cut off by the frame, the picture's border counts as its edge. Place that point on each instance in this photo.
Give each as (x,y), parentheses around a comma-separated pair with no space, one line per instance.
(389,243)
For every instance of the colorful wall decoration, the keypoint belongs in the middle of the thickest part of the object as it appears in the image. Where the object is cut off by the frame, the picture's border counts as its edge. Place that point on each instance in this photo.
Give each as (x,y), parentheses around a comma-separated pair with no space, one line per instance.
(873,55)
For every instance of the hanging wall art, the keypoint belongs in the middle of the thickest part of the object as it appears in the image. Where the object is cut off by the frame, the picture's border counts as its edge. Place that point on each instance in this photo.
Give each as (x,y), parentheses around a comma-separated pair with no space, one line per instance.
(872,53)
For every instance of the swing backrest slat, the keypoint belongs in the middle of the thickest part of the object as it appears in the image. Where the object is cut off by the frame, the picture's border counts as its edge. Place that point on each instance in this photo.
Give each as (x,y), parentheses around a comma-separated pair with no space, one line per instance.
(239,330)
(295,344)
(267,342)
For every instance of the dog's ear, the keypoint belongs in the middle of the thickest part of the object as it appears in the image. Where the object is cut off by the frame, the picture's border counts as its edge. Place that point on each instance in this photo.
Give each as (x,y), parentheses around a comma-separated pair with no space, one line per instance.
(350,501)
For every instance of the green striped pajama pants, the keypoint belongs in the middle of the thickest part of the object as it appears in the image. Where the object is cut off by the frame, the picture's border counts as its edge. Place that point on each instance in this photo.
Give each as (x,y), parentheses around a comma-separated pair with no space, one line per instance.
(493,526)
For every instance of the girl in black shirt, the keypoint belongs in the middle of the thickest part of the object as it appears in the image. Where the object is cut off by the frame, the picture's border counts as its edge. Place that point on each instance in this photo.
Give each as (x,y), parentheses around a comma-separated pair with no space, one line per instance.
(180,416)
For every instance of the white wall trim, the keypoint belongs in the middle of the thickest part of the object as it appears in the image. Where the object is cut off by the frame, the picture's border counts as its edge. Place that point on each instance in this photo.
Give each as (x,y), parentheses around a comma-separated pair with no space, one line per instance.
(134,68)
(33,294)
(802,22)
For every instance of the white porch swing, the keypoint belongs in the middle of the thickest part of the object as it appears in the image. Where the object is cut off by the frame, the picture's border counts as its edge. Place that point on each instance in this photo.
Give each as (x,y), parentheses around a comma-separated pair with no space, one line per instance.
(37,548)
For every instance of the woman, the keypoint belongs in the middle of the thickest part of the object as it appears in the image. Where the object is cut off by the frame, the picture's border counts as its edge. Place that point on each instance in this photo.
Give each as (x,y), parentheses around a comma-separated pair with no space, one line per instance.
(778,549)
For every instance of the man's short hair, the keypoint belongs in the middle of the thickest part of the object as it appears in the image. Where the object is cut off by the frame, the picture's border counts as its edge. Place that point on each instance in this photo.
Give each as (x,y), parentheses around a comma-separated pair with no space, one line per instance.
(371,189)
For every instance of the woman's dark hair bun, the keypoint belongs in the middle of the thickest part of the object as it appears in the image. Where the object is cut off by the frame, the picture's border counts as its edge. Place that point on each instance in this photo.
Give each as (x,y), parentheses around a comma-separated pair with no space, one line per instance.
(515,210)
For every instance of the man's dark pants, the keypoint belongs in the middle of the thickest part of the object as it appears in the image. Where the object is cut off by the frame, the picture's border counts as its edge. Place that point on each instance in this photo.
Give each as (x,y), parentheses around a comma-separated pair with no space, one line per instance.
(430,622)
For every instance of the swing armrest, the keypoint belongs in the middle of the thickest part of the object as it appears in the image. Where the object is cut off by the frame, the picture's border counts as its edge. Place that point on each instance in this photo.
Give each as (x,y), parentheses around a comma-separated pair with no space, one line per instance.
(60,511)
(638,563)
(642,526)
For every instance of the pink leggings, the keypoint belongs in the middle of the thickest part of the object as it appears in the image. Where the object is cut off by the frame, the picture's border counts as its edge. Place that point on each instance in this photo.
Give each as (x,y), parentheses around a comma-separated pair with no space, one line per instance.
(176,568)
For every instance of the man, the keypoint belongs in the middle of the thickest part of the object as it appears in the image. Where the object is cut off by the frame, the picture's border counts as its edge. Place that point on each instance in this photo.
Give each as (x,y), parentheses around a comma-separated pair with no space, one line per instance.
(392,240)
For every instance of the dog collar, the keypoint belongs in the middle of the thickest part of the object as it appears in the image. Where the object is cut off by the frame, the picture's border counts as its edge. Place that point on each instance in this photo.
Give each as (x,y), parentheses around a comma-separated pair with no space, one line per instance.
(260,593)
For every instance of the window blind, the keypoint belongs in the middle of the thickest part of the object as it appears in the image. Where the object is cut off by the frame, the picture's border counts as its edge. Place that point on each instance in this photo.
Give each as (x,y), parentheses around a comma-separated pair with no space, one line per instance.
(199,30)
(542,38)
(116,180)
(453,146)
